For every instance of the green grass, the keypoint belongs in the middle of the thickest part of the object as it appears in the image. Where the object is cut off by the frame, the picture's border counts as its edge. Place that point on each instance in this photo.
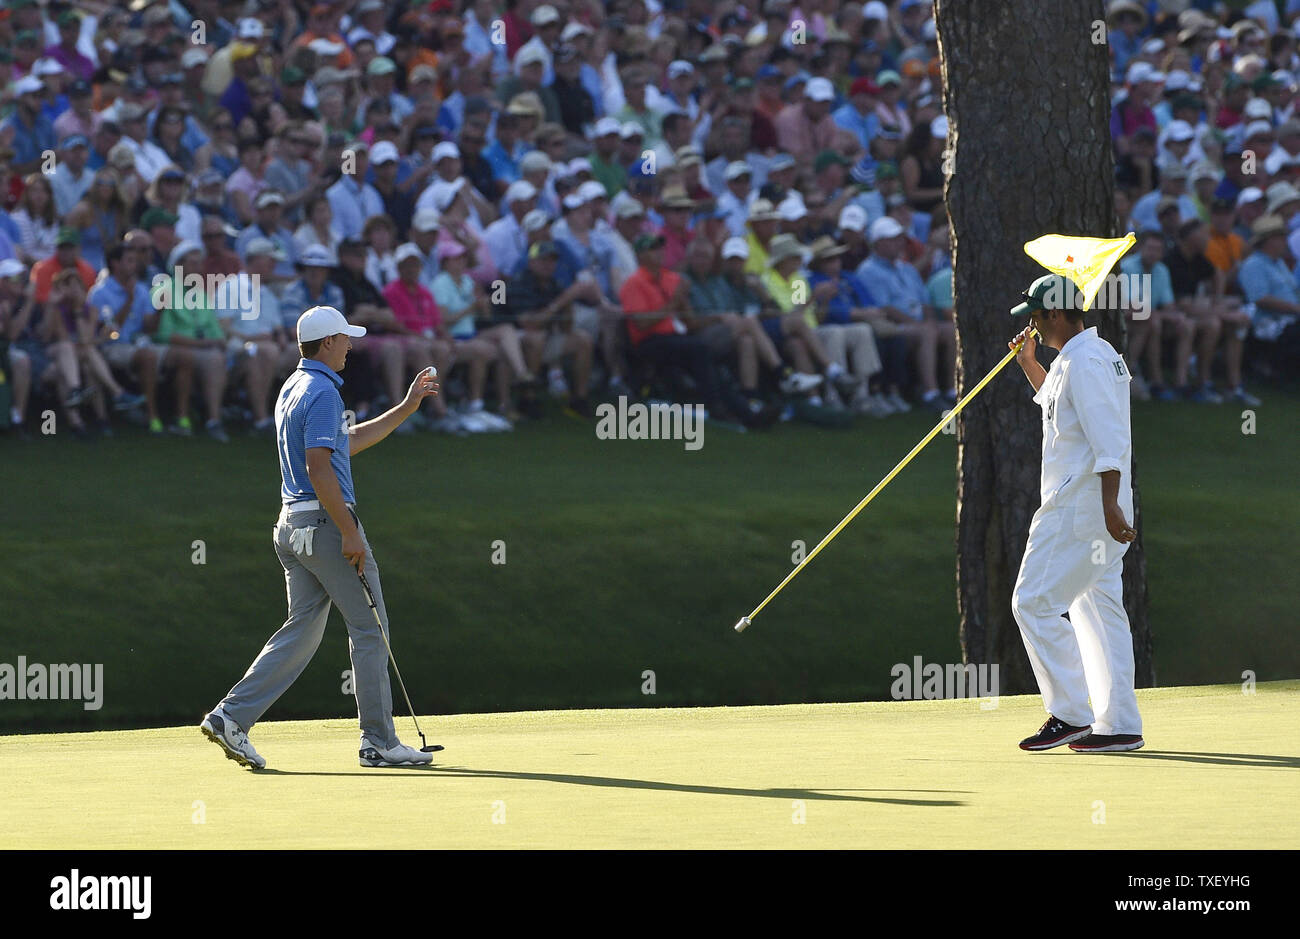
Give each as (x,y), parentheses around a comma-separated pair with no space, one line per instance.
(1218,772)
(621,557)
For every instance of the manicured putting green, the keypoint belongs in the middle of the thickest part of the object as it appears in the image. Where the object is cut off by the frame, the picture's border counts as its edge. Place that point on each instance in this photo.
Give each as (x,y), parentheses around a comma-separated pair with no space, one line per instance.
(1219,771)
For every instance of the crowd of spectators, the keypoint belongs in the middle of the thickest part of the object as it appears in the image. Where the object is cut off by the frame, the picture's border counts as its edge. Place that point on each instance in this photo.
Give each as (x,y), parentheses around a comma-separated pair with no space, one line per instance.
(1206,131)
(739,204)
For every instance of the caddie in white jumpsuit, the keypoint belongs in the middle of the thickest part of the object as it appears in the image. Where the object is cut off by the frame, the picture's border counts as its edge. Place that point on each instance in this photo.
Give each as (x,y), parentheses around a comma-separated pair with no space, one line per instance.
(1080,533)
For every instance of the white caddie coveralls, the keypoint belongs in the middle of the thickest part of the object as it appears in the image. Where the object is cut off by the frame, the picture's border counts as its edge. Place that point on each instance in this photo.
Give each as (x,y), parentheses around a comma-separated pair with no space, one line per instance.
(1071,563)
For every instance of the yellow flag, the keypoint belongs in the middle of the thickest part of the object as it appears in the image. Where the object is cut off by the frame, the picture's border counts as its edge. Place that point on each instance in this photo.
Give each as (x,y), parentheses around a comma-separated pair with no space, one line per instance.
(1086,261)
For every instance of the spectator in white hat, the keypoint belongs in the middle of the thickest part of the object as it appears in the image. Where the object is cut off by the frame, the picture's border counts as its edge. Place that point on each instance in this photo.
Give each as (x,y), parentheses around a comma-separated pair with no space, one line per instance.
(352,198)
(505,238)
(470,317)
(805,128)
(258,347)
(1134,109)
(636,108)
(733,203)
(531,68)
(1174,145)
(31,130)
(904,305)
(605,164)
(268,222)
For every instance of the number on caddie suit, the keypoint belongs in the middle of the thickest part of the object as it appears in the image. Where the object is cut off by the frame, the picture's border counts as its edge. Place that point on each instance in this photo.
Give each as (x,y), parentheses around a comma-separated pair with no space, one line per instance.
(1120,371)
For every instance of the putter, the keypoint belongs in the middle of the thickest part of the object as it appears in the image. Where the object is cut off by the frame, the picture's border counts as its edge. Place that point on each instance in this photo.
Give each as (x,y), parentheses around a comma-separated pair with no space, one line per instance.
(370,598)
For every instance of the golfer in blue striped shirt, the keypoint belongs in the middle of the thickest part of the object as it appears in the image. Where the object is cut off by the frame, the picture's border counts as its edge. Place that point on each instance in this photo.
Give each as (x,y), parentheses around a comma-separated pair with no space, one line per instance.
(322,547)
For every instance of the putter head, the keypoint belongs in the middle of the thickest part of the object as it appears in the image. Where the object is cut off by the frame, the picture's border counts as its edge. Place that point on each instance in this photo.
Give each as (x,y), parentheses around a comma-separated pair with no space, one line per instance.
(430,748)
(742,624)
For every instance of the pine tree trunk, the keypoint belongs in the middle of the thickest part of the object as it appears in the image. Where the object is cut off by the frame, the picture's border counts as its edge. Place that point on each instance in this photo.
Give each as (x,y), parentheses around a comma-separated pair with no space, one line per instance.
(1027,97)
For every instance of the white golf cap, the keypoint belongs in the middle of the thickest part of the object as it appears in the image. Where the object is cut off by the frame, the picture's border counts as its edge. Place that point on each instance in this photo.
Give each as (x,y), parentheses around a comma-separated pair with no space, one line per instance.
(544,14)
(573,201)
(885,227)
(263,247)
(1139,72)
(1178,80)
(521,190)
(535,161)
(579,165)
(1153,46)
(1257,128)
(875,10)
(316,256)
(630,129)
(407,251)
(383,152)
(680,67)
(321,322)
(443,193)
(12,267)
(1258,109)
(446,150)
(792,210)
(1179,131)
(535,220)
(736,169)
(182,249)
(853,218)
(628,207)
(735,248)
(249,28)
(47,67)
(268,197)
(1248,195)
(592,190)
(939,127)
(819,89)
(606,126)
(530,55)
(326,47)
(782,161)
(192,57)
(426,220)
(573,31)
(28,84)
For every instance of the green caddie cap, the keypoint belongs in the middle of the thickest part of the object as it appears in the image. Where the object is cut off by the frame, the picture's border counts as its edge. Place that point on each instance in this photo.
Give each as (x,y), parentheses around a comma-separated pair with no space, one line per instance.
(1049,292)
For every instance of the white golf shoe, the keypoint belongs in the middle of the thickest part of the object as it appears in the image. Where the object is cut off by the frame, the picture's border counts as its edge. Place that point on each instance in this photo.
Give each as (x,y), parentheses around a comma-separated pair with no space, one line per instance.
(221,729)
(399,755)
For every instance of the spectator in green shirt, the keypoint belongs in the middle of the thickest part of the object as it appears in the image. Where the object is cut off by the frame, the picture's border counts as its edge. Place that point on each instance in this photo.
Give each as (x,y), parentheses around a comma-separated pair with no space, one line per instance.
(189,324)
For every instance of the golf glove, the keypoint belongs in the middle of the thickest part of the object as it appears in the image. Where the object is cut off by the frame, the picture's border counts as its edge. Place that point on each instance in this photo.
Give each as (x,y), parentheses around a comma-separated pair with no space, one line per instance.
(300,540)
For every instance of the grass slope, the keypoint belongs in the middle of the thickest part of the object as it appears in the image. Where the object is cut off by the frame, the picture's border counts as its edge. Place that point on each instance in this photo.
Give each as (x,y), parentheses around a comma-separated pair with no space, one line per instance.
(1218,772)
(621,557)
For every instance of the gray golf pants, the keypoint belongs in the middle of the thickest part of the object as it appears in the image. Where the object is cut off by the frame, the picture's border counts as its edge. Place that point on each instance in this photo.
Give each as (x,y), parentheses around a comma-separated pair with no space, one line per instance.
(313,582)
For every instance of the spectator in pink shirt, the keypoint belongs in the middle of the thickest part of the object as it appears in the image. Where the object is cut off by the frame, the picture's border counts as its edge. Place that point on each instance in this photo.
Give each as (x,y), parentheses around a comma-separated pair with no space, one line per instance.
(806,127)
(419,328)
(66,53)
